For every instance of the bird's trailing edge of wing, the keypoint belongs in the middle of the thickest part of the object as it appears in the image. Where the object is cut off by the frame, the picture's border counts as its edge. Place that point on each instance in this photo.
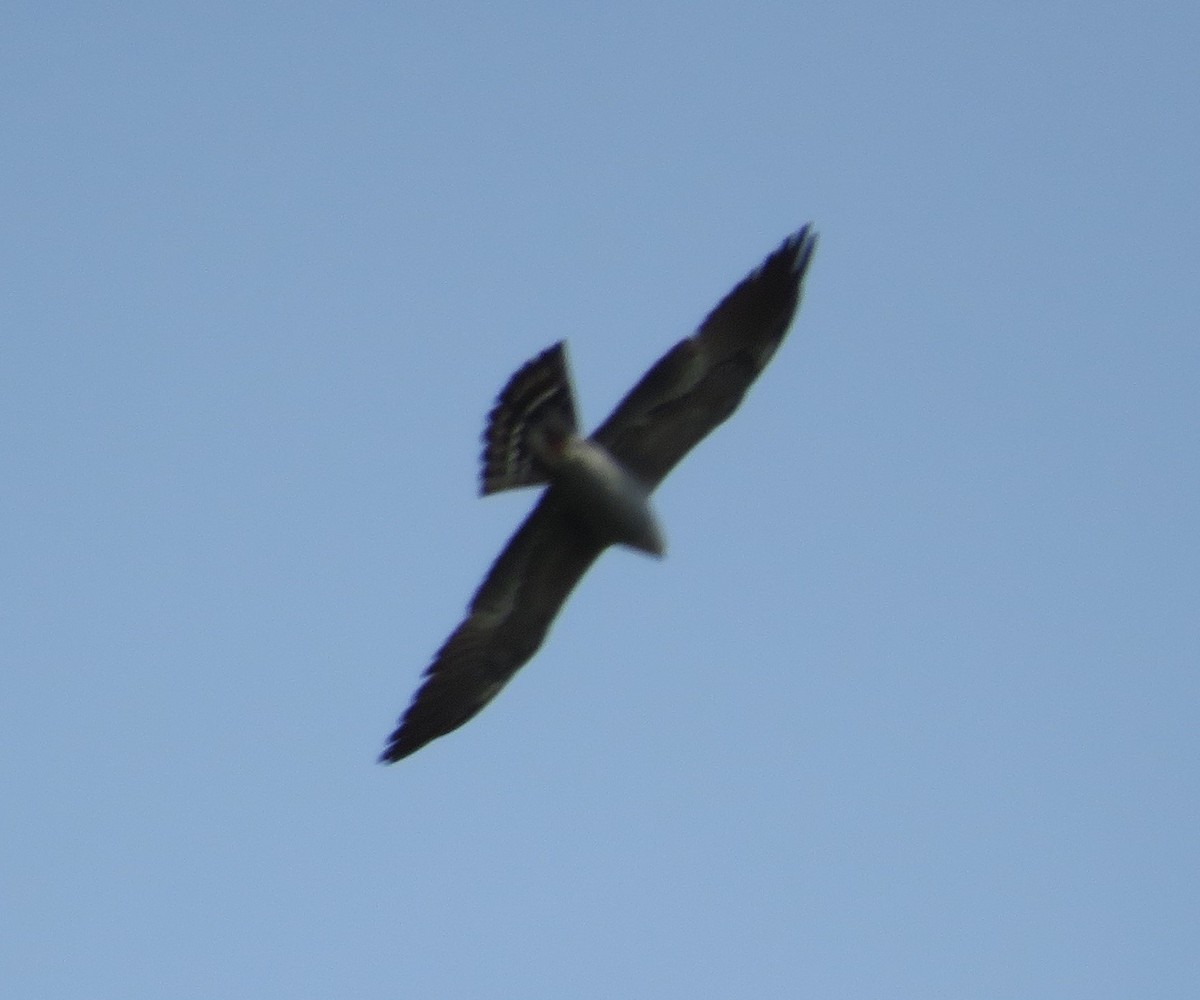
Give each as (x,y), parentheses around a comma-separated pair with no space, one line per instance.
(539,395)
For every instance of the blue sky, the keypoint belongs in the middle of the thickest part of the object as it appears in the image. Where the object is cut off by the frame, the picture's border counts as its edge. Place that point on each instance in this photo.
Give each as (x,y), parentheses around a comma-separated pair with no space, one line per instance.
(910,708)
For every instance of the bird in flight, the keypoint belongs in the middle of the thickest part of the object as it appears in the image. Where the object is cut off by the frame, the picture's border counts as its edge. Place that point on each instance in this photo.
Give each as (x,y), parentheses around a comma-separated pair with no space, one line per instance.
(598,487)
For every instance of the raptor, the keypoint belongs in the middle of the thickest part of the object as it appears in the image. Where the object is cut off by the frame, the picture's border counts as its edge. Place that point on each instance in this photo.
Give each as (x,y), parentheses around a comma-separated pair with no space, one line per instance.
(597,488)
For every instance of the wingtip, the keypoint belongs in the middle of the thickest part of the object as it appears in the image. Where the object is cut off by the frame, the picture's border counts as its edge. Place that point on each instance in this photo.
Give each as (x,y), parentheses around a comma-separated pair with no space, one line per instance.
(800,246)
(401,744)
(390,756)
(790,260)
(391,752)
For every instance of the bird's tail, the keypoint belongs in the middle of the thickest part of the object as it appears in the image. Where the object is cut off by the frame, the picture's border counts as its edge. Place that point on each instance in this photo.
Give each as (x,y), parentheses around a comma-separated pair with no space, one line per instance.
(538,401)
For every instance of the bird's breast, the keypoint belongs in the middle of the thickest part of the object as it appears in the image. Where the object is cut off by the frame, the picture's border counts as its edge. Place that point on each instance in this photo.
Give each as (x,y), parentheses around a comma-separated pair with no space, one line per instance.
(610,501)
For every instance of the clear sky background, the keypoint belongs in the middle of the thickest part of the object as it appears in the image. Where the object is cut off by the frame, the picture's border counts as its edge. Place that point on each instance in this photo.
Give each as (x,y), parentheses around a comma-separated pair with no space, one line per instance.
(910,709)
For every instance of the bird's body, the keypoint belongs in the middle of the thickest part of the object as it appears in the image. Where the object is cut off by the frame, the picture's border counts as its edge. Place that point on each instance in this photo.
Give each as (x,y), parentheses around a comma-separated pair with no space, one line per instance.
(598,487)
(606,497)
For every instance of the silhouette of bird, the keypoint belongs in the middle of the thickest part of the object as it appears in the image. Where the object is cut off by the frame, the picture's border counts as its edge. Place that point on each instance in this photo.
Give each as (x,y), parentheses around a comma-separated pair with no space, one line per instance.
(598,487)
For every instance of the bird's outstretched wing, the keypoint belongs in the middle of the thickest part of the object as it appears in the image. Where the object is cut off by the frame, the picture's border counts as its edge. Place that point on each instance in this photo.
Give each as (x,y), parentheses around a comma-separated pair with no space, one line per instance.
(700,381)
(690,390)
(506,623)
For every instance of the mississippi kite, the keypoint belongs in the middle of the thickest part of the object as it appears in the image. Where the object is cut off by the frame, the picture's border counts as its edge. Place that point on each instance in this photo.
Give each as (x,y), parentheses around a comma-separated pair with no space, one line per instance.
(598,488)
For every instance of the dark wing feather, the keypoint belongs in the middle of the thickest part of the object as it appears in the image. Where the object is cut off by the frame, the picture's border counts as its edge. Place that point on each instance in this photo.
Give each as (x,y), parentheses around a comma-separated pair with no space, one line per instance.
(508,619)
(702,379)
